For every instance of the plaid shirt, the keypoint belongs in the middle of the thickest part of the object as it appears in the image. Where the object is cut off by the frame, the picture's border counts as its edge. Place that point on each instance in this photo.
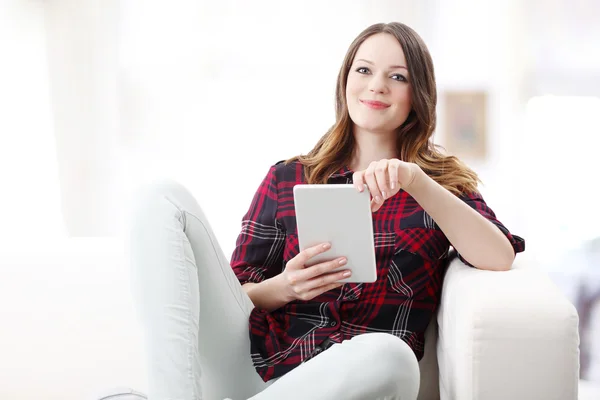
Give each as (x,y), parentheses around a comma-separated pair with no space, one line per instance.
(411,253)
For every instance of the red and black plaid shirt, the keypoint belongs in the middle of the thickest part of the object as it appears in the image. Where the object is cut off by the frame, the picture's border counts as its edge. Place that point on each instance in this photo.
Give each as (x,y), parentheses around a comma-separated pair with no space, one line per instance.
(411,253)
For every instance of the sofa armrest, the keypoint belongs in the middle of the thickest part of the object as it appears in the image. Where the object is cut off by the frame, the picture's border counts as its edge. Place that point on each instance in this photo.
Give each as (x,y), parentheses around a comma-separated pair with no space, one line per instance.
(506,335)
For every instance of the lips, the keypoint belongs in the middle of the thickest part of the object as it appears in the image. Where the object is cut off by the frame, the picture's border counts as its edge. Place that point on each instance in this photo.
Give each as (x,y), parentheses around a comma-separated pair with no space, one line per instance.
(378,105)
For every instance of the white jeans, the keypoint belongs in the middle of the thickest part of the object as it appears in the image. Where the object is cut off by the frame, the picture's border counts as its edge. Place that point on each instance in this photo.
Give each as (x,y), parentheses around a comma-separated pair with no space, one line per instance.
(195,313)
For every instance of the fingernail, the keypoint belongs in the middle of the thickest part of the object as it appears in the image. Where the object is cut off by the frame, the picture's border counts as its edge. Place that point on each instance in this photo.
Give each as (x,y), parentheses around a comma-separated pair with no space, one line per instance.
(393,185)
(343,261)
(326,245)
(347,274)
(383,194)
(376,199)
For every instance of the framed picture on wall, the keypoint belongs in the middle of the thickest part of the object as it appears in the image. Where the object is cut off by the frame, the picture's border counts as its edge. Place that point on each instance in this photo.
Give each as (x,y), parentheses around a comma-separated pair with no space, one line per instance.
(465,127)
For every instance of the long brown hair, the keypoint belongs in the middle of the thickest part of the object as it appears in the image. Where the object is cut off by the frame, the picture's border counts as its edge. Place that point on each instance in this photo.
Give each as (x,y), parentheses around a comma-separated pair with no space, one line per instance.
(335,149)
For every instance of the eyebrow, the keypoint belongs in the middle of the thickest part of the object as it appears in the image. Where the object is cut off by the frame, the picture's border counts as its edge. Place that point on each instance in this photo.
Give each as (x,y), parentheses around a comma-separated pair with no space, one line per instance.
(391,67)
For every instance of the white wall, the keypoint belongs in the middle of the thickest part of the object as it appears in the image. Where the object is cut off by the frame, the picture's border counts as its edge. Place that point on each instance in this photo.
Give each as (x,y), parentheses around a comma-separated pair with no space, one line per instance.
(27,148)
(81,39)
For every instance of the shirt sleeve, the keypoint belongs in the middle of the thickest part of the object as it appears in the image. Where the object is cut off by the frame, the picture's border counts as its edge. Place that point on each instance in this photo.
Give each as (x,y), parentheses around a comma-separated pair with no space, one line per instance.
(475,201)
(258,253)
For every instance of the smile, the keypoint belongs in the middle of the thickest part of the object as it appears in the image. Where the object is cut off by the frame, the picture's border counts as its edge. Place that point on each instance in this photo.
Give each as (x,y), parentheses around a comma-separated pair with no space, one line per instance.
(377,105)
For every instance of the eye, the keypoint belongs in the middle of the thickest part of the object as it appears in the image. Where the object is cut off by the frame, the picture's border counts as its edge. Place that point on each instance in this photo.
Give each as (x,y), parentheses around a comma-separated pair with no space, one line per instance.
(399,77)
(362,70)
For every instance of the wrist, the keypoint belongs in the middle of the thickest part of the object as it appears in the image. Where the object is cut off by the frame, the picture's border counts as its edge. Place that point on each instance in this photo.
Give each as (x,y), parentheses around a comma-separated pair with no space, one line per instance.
(416,182)
(268,295)
(278,289)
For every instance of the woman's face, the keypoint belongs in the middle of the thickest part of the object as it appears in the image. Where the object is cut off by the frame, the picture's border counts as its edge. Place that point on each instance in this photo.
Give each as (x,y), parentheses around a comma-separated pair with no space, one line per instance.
(378,92)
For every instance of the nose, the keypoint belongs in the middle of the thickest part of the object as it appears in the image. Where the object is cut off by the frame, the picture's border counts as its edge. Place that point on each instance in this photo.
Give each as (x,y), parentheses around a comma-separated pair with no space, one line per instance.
(377,84)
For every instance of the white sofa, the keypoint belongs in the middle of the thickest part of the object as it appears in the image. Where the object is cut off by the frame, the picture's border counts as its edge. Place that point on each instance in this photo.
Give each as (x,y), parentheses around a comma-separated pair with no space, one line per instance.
(500,336)
(503,335)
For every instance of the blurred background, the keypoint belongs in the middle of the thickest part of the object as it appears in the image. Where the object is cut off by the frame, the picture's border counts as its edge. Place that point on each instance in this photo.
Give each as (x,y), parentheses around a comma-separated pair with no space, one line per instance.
(100,96)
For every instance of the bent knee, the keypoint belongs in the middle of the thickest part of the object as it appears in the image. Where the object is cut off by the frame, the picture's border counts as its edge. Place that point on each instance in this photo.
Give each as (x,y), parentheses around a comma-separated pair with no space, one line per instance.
(159,189)
(165,192)
(163,200)
(393,358)
(384,344)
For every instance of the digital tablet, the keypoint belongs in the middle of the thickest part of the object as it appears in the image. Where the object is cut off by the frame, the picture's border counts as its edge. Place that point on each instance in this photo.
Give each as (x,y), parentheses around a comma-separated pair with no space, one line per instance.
(341,215)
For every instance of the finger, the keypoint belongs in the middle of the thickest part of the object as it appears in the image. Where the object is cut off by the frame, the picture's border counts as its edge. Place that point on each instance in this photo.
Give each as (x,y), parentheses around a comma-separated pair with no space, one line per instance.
(302,258)
(322,268)
(372,183)
(375,205)
(393,173)
(381,176)
(358,181)
(323,280)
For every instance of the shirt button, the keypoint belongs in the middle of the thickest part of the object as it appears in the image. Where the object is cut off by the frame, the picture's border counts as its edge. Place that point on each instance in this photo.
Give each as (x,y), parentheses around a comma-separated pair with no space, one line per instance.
(333,323)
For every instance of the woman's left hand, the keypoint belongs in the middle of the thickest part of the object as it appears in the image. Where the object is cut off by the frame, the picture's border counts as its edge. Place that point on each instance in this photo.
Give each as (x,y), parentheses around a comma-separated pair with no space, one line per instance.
(384,179)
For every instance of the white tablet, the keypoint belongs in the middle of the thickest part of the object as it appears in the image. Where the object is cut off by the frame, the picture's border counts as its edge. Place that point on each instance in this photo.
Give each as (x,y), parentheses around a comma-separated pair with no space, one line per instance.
(341,215)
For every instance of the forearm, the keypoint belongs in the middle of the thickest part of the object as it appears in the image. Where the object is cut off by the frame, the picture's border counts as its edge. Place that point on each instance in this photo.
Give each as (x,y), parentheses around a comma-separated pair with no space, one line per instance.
(478,240)
(267,295)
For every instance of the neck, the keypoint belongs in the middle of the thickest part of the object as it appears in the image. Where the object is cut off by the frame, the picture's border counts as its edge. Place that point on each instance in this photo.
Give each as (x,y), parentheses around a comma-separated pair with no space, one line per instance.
(372,146)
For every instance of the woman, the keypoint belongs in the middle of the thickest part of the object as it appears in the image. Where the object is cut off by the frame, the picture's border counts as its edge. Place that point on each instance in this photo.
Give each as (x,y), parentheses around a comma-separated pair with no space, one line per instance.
(310,337)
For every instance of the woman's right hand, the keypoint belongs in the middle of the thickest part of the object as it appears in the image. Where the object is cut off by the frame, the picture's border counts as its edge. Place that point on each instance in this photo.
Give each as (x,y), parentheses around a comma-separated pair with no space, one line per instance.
(306,283)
